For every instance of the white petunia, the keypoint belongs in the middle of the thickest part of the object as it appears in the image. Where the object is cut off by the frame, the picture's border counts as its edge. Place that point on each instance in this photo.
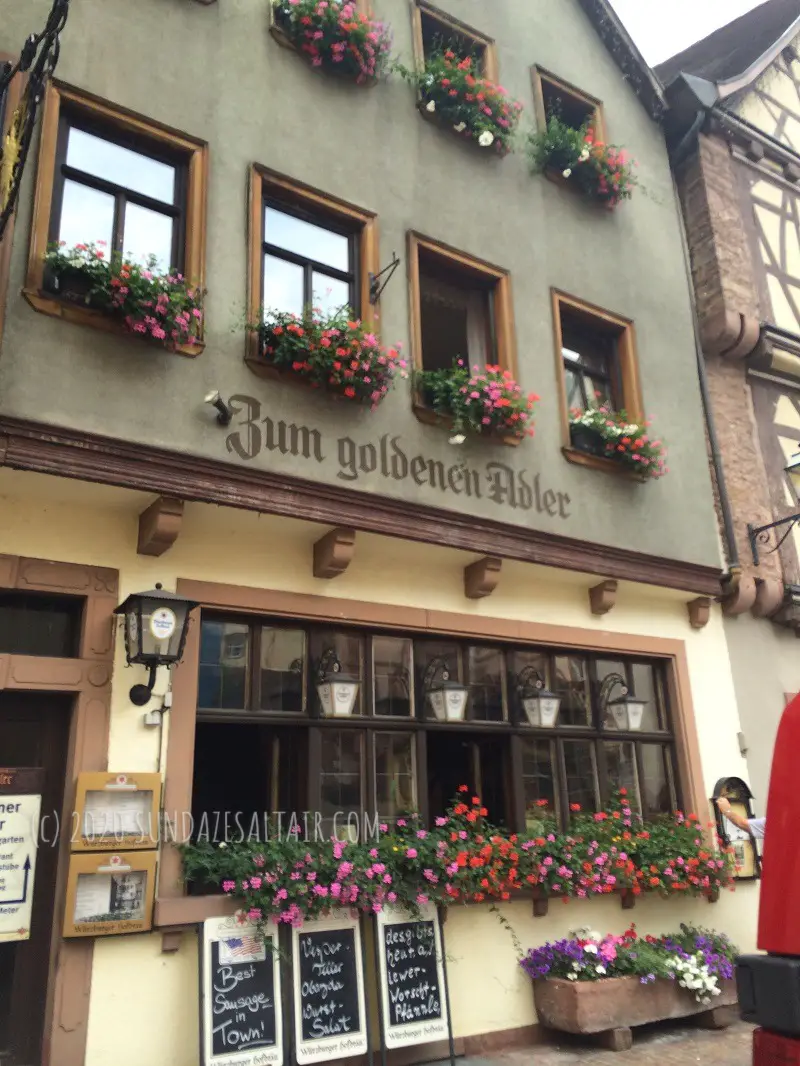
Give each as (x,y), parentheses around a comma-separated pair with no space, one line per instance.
(600,969)
(591,948)
(431,105)
(572,977)
(566,173)
(584,155)
(460,127)
(485,139)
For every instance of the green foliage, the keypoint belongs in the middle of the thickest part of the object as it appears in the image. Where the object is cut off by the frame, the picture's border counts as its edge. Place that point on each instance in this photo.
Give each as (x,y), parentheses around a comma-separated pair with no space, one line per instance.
(479,401)
(334,35)
(602,172)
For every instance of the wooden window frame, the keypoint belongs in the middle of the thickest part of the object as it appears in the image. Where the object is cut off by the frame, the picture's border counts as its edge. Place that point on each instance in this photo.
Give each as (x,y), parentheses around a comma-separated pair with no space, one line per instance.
(539,76)
(268,184)
(628,369)
(59,97)
(174,908)
(13,96)
(448,22)
(503,308)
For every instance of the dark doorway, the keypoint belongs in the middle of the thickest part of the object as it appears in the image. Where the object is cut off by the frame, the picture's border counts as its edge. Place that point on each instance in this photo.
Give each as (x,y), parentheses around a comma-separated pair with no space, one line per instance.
(34,732)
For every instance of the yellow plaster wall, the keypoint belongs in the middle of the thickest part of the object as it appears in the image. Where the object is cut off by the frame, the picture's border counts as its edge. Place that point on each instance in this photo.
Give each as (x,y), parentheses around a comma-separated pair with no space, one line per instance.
(49,518)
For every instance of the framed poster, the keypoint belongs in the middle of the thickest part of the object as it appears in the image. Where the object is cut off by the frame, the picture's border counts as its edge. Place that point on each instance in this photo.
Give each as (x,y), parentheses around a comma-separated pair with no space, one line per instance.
(745,850)
(328,978)
(108,895)
(115,812)
(241,1016)
(20,809)
(411,975)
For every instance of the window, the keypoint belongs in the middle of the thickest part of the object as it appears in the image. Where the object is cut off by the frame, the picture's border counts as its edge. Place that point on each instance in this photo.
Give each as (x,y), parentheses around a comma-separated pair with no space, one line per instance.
(461,308)
(263,745)
(307,250)
(596,358)
(434,31)
(33,623)
(552,96)
(105,175)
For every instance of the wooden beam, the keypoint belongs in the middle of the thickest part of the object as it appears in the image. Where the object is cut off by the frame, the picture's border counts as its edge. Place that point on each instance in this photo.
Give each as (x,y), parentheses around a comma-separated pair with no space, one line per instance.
(603,597)
(159,526)
(481,577)
(699,612)
(334,552)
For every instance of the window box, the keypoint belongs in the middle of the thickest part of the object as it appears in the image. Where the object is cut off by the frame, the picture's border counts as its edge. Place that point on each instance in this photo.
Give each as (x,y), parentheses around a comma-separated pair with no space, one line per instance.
(600,172)
(618,440)
(115,182)
(340,39)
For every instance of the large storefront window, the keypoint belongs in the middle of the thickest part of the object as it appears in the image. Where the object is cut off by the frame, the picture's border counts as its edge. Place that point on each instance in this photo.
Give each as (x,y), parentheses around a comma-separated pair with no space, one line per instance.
(264,744)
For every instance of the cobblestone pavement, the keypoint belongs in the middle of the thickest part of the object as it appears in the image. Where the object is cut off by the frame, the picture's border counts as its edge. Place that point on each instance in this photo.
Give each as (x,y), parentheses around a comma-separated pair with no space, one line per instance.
(667,1045)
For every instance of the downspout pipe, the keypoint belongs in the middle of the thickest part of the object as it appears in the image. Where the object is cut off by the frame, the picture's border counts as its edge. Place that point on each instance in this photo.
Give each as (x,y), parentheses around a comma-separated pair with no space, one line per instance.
(679,155)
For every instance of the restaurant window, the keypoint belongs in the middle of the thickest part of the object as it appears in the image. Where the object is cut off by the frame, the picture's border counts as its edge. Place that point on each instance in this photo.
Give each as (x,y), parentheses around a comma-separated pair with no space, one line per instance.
(119,181)
(435,31)
(268,744)
(554,97)
(33,623)
(461,308)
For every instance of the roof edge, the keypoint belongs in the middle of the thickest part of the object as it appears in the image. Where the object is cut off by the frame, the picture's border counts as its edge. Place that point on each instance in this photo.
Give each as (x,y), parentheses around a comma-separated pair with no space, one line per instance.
(755,70)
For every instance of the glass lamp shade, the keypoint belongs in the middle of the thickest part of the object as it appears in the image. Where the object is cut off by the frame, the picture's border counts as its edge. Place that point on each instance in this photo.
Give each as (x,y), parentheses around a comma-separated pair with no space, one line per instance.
(448,701)
(542,709)
(337,696)
(628,713)
(156,624)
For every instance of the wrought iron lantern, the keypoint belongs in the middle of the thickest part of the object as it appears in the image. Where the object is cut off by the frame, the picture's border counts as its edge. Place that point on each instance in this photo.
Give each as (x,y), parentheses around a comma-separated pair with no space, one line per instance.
(155,626)
(540,705)
(337,692)
(448,699)
(626,710)
(761,535)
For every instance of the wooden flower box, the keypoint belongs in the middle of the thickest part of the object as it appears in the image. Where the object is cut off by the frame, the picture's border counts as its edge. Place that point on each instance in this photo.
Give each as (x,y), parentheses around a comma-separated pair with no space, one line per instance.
(611,1008)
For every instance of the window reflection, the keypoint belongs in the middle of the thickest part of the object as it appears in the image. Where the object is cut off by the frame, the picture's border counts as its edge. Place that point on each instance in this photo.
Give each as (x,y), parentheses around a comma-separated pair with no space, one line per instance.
(391,676)
(580,764)
(621,771)
(222,681)
(282,666)
(571,683)
(121,166)
(538,781)
(485,680)
(340,782)
(395,791)
(306,239)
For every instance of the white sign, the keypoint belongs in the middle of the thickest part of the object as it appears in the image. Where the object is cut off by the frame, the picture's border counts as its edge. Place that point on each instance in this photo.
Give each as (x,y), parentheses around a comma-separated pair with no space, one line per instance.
(241,1011)
(329,1011)
(412,988)
(19,833)
(163,623)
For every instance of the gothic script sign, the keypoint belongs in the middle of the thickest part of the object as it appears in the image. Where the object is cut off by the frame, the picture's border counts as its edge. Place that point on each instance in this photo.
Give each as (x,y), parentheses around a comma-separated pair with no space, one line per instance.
(389,458)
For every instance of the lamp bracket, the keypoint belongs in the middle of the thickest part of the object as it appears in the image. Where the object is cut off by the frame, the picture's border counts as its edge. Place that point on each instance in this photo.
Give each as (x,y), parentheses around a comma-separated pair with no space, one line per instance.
(140,694)
(761,535)
(430,673)
(529,673)
(328,663)
(376,287)
(607,687)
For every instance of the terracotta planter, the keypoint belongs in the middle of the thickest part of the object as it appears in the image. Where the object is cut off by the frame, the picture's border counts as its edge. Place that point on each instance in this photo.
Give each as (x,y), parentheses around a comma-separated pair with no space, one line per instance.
(600,1006)
(586,440)
(72,286)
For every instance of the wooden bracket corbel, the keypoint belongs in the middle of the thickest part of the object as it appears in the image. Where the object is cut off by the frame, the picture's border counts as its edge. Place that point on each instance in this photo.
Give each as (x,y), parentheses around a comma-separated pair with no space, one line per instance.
(334,552)
(481,577)
(699,612)
(754,151)
(159,526)
(171,941)
(603,597)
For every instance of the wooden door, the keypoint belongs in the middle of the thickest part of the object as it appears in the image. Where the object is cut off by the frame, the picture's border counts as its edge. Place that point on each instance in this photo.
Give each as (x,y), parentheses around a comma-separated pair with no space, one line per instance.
(34,732)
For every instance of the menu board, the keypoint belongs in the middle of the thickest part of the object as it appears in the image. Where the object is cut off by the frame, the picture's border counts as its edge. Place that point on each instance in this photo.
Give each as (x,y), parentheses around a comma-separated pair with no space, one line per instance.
(241,1018)
(411,977)
(329,990)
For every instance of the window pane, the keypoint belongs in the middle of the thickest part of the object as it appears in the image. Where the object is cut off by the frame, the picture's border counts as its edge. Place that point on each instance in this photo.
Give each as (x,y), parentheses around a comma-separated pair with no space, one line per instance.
(283,286)
(148,233)
(224,648)
(329,294)
(391,675)
(580,763)
(485,680)
(571,683)
(87,216)
(455,323)
(395,777)
(131,170)
(348,650)
(641,685)
(621,771)
(306,239)
(574,391)
(538,780)
(521,677)
(425,652)
(34,624)
(340,781)
(599,391)
(606,669)
(646,687)
(654,783)
(282,669)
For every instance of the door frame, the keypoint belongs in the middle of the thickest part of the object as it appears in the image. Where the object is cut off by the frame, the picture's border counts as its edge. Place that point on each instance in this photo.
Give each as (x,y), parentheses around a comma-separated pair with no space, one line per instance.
(88,679)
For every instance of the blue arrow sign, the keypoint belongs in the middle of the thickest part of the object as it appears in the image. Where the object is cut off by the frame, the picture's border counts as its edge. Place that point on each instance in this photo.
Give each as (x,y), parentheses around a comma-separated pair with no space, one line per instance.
(27,870)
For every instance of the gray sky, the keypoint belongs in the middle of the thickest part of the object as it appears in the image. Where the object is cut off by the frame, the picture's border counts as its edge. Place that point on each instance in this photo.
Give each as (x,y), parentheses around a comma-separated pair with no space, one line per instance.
(661,30)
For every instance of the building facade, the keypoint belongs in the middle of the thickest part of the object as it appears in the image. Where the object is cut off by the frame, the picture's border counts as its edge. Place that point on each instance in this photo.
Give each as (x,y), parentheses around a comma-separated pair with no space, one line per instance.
(735,143)
(303,523)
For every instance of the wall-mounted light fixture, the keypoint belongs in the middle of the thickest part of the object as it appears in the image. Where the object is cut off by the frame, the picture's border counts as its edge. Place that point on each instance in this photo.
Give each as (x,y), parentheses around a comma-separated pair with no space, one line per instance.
(540,705)
(626,710)
(337,692)
(155,627)
(224,413)
(761,534)
(448,699)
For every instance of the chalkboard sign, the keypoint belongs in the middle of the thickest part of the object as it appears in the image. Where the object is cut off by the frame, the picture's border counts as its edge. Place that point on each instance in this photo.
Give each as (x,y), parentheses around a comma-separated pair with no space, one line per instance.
(329,990)
(412,977)
(241,1015)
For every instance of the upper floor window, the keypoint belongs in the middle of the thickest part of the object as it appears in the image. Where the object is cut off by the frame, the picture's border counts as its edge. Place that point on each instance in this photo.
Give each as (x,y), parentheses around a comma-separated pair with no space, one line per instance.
(436,31)
(555,98)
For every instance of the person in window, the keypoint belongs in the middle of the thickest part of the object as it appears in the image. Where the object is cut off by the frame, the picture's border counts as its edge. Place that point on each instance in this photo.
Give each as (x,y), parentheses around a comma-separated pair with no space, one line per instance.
(754,826)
